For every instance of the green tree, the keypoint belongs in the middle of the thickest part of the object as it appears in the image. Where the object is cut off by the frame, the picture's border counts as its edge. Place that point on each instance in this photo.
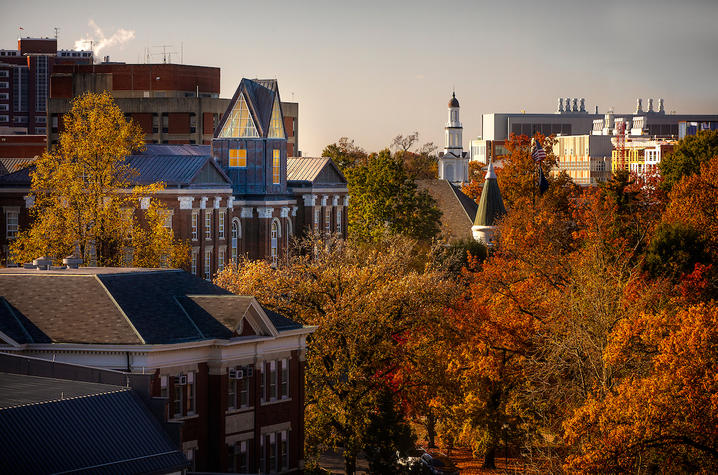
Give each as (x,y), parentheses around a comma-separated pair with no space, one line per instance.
(385,200)
(687,157)
(85,200)
(345,153)
(675,249)
(388,435)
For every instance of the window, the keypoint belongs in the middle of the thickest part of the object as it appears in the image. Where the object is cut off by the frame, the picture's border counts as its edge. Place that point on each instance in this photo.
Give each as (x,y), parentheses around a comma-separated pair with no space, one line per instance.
(11,218)
(238,158)
(221,224)
(231,392)
(4,95)
(272,453)
(4,118)
(244,391)
(4,107)
(284,380)
(238,457)
(41,82)
(239,123)
(194,263)
(339,221)
(276,130)
(235,238)
(189,455)
(4,85)
(272,380)
(260,377)
(190,393)
(163,386)
(284,451)
(275,235)
(167,218)
(195,217)
(208,224)
(275,166)
(208,264)
(316,218)
(177,397)
(4,74)
(220,260)
(328,220)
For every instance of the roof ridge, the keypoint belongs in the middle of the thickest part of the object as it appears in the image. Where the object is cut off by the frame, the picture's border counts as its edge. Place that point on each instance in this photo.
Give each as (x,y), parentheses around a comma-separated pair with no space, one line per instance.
(122,312)
(51,401)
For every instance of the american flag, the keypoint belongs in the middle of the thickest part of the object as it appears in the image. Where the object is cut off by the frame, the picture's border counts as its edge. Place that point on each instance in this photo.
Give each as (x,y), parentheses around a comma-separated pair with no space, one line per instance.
(538,153)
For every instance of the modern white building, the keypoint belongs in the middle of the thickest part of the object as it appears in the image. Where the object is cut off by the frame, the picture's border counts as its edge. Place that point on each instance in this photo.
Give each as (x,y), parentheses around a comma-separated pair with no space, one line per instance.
(453,161)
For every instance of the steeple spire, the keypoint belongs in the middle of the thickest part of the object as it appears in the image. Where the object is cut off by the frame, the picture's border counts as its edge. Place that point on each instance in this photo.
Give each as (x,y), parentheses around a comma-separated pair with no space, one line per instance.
(491,208)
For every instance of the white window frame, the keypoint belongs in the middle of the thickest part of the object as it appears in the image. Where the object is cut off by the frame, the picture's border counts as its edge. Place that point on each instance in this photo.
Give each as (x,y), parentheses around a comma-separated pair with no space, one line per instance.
(195,223)
(208,225)
(208,264)
(220,224)
(12,223)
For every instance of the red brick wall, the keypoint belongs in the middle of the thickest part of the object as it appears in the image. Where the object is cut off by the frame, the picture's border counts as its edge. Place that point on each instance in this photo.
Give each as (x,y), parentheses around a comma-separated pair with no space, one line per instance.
(144,121)
(61,86)
(178,123)
(22,146)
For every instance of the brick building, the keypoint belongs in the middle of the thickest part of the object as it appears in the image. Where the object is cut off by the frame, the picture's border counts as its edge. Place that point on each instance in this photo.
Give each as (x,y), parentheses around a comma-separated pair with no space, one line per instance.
(240,196)
(226,369)
(25,81)
(173,103)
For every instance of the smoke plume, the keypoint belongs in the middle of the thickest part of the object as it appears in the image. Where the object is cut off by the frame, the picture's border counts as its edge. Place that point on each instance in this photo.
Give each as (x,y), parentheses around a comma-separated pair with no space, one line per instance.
(98,41)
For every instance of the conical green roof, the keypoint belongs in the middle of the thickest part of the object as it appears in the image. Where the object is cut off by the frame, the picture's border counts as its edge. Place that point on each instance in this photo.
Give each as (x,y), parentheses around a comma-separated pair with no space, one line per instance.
(491,206)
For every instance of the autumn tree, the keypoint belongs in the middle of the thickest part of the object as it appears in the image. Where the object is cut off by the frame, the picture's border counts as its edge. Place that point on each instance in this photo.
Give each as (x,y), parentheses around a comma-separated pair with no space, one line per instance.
(687,157)
(385,201)
(420,163)
(84,197)
(345,153)
(366,302)
(473,188)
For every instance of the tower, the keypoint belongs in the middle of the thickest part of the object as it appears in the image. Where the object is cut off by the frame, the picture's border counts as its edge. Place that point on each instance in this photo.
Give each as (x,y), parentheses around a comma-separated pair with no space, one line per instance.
(491,207)
(453,161)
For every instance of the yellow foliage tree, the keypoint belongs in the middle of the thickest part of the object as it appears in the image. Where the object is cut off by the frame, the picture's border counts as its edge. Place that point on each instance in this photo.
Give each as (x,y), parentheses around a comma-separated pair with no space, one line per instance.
(84,198)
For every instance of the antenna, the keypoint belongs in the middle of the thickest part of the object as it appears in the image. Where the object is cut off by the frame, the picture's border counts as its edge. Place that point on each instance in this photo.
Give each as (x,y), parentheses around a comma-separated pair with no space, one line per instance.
(56,31)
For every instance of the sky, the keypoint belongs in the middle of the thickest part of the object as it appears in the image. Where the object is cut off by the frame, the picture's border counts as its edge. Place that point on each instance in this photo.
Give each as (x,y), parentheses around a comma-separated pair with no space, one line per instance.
(370,70)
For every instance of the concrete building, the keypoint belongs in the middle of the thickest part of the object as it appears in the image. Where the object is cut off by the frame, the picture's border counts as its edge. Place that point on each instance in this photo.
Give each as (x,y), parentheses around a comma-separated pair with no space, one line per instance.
(173,103)
(25,81)
(576,120)
(485,151)
(453,161)
(586,158)
(225,370)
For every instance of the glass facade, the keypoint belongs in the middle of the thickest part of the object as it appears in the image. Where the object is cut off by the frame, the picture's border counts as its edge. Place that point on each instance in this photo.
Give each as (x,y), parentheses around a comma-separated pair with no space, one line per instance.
(276,128)
(239,123)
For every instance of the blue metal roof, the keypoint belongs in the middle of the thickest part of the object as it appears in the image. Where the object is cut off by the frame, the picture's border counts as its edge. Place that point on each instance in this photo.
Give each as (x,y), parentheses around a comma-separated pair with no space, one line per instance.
(108,433)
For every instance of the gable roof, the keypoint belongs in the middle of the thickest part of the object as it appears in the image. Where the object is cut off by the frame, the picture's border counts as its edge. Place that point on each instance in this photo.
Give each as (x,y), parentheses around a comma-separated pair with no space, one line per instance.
(19,178)
(120,306)
(457,209)
(89,430)
(313,170)
(260,95)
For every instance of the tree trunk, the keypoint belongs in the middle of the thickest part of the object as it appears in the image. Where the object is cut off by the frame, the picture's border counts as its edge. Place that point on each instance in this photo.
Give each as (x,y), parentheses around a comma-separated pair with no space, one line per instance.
(490,457)
(350,462)
(431,429)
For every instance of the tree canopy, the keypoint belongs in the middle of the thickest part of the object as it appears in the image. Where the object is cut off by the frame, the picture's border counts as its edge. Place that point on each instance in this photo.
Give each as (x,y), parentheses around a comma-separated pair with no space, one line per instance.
(385,200)
(687,157)
(85,200)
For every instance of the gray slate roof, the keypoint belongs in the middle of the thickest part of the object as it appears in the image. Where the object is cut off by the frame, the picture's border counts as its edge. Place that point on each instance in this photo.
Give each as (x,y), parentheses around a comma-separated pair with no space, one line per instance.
(113,306)
(91,432)
(457,209)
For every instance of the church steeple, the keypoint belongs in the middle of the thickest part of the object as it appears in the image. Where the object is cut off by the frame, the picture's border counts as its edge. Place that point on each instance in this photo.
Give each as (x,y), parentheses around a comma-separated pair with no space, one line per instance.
(453,163)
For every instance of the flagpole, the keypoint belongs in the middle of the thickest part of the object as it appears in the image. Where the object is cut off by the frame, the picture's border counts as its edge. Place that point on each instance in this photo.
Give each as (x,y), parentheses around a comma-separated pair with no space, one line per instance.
(533,180)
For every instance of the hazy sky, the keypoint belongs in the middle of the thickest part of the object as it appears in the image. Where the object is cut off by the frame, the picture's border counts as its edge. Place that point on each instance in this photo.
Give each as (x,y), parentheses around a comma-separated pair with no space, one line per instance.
(371,70)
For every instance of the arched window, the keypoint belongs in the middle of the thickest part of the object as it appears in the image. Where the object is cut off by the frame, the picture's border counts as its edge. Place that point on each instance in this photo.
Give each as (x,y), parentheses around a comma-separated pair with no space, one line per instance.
(236,236)
(276,234)
(289,230)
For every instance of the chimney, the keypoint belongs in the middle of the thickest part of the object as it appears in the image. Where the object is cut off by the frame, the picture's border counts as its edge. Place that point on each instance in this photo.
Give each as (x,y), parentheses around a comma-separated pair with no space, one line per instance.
(72,262)
(560,105)
(650,105)
(106,60)
(639,106)
(575,105)
(583,104)
(661,109)
(42,263)
(567,105)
